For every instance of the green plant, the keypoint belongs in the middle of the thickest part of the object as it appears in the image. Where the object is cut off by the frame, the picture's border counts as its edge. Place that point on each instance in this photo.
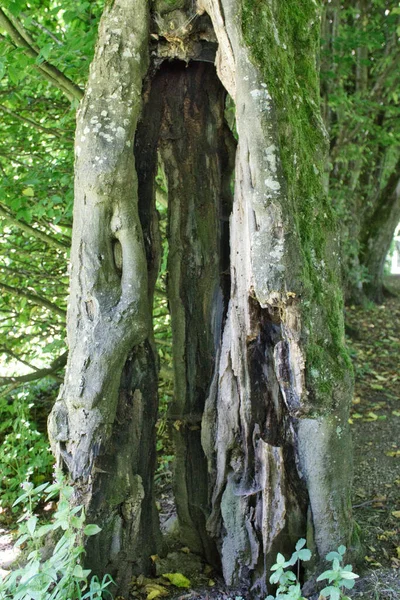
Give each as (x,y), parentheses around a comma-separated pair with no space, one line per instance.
(61,576)
(24,451)
(289,586)
(338,576)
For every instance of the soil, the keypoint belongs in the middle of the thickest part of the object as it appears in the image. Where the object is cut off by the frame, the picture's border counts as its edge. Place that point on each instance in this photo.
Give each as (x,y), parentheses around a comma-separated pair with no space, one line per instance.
(374,341)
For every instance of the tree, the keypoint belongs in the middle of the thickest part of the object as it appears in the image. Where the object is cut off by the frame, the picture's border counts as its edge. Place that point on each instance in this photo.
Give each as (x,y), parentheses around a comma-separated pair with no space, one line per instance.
(262,376)
(360,87)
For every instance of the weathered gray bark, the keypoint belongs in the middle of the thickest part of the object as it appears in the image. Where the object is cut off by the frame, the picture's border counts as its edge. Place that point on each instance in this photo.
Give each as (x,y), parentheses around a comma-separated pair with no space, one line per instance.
(102,425)
(276,449)
(260,367)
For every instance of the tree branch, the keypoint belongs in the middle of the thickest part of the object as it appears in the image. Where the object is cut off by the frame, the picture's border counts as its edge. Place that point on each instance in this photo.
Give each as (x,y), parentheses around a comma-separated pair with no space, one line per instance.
(33,123)
(55,366)
(47,70)
(38,300)
(21,360)
(44,237)
(44,29)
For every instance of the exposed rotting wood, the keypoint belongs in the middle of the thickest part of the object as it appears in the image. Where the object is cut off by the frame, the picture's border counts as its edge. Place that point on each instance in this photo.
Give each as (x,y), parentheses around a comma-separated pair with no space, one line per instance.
(195,147)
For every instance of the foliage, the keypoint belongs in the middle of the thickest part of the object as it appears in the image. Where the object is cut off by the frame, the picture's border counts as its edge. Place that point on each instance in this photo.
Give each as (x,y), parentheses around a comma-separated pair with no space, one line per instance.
(289,585)
(360,87)
(61,576)
(24,451)
(36,189)
(338,576)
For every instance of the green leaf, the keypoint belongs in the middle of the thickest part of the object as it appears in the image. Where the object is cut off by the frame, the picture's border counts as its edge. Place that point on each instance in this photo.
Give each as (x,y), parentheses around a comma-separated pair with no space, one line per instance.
(2,67)
(31,524)
(29,192)
(332,555)
(300,544)
(342,550)
(177,579)
(326,575)
(305,554)
(91,530)
(275,576)
(44,530)
(78,572)
(347,583)
(348,575)
(331,592)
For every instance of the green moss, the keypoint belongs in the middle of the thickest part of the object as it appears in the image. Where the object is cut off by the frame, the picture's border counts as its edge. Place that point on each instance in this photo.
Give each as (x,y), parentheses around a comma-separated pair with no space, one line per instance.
(283,40)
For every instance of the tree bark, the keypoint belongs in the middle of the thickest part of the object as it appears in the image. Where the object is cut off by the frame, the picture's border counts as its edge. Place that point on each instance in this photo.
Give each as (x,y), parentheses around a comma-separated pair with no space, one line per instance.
(261,372)
(102,425)
(377,235)
(275,426)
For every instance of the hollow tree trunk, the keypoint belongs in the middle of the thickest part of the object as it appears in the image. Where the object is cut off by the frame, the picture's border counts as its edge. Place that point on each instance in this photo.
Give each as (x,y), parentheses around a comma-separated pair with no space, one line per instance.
(263,356)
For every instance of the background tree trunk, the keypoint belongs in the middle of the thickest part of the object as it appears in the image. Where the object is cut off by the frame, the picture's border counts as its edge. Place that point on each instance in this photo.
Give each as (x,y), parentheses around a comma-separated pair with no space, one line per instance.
(377,235)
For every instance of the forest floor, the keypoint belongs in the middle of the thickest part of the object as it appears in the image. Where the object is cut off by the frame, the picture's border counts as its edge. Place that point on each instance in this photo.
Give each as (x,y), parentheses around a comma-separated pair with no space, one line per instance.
(374,343)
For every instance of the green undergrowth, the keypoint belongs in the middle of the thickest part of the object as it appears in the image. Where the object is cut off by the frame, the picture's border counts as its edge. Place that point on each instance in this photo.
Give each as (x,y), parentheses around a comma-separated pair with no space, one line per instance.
(24,448)
(339,577)
(51,567)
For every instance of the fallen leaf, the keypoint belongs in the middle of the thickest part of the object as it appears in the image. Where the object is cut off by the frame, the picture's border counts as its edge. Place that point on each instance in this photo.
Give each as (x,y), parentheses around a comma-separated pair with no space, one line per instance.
(154,590)
(177,579)
(396,514)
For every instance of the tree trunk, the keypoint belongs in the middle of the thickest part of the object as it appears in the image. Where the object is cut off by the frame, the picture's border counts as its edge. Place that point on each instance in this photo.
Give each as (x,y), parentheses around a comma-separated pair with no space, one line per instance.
(377,235)
(102,425)
(261,373)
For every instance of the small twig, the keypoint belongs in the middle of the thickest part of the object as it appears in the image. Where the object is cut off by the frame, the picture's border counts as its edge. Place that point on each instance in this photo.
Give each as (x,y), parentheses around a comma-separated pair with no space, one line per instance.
(366,503)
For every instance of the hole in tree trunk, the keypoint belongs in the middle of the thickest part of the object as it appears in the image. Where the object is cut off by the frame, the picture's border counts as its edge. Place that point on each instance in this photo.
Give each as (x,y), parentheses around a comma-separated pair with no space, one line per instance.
(185,145)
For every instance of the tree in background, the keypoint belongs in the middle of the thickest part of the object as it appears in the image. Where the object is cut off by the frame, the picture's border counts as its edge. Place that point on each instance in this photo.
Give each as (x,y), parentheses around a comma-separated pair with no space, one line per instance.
(360,89)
